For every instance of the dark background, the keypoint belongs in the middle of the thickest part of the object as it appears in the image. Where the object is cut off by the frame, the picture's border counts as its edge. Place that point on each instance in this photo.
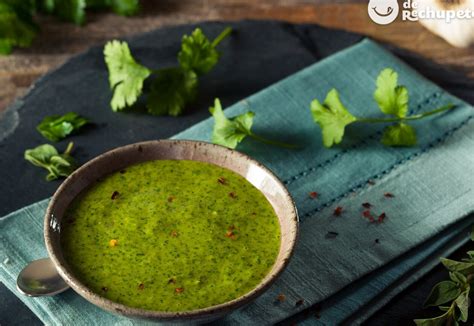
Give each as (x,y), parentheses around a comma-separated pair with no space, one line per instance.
(257,55)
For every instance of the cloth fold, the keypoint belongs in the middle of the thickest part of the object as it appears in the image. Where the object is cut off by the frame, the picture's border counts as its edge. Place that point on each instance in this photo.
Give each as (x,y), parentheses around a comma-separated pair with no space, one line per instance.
(432,185)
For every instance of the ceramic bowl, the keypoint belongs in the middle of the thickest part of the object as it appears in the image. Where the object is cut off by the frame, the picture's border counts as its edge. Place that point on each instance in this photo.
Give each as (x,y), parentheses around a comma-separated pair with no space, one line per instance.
(122,157)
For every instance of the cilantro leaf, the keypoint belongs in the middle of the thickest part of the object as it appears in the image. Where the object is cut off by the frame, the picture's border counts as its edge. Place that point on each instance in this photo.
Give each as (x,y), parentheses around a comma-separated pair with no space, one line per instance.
(198,53)
(400,134)
(57,127)
(171,90)
(391,98)
(126,76)
(464,268)
(16,25)
(332,116)
(230,132)
(57,165)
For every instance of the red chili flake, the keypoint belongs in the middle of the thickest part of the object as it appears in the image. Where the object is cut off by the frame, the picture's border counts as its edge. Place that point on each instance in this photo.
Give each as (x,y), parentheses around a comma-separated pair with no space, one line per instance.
(141,286)
(388,195)
(337,211)
(367,213)
(174,233)
(281,298)
(115,194)
(313,195)
(222,180)
(377,241)
(105,289)
(172,281)
(171,199)
(233,195)
(331,235)
(367,205)
(299,302)
(179,290)
(381,217)
(371,182)
(230,234)
(371,219)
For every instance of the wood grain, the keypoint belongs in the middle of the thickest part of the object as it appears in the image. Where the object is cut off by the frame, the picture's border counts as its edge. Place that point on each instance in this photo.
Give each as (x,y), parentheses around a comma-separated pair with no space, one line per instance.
(58,41)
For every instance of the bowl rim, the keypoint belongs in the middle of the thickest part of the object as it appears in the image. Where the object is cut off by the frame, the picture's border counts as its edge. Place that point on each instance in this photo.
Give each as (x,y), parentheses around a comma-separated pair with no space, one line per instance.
(104,303)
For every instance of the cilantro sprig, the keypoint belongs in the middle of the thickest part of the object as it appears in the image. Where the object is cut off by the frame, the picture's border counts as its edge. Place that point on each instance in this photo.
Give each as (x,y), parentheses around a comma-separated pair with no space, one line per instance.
(47,157)
(230,132)
(56,127)
(392,99)
(171,88)
(452,296)
(18,28)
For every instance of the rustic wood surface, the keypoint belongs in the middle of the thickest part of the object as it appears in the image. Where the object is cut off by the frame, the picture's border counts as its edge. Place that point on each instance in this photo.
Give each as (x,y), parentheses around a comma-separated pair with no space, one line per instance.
(58,41)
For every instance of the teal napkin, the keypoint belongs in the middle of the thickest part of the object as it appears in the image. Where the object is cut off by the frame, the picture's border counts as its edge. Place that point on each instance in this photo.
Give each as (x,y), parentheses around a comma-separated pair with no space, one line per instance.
(432,185)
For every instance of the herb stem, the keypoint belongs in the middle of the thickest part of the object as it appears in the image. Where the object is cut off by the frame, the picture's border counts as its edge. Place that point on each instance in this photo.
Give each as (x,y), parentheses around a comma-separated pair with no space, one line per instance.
(272,142)
(412,117)
(69,148)
(222,36)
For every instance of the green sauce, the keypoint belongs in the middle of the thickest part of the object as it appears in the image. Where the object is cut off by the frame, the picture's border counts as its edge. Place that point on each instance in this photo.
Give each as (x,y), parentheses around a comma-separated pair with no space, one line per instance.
(171,236)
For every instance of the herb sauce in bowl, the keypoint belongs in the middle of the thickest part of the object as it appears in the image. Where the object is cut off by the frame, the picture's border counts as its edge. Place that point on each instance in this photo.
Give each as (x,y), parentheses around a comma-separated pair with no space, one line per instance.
(171,235)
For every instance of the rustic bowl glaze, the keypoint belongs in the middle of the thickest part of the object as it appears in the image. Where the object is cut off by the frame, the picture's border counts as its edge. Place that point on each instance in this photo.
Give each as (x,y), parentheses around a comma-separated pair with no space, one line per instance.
(119,158)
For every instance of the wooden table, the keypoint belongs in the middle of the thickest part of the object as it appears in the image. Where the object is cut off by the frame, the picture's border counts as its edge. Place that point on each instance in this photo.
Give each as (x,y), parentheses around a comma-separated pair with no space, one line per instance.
(58,41)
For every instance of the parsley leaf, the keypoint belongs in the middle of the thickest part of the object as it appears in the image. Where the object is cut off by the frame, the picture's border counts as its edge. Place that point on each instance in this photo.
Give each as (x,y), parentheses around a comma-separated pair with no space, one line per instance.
(400,134)
(16,25)
(171,90)
(57,165)
(126,76)
(198,53)
(230,132)
(69,10)
(391,98)
(57,127)
(332,116)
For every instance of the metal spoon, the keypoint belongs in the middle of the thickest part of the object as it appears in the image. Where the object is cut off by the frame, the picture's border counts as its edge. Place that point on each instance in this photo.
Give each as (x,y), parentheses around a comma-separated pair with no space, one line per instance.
(40,278)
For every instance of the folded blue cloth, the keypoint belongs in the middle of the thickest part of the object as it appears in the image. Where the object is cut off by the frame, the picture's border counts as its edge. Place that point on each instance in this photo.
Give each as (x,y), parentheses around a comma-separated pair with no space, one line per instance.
(431,183)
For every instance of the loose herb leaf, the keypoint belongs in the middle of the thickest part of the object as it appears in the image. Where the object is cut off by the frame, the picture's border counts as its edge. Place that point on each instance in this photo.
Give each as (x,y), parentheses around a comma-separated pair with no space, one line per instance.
(16,25)
(46,156)
(400,134)
(126,76)
(171,90)
(197,53)
(58,127)
(230,132)
(332,116)
(458,278)
(443,292)
(391,98)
